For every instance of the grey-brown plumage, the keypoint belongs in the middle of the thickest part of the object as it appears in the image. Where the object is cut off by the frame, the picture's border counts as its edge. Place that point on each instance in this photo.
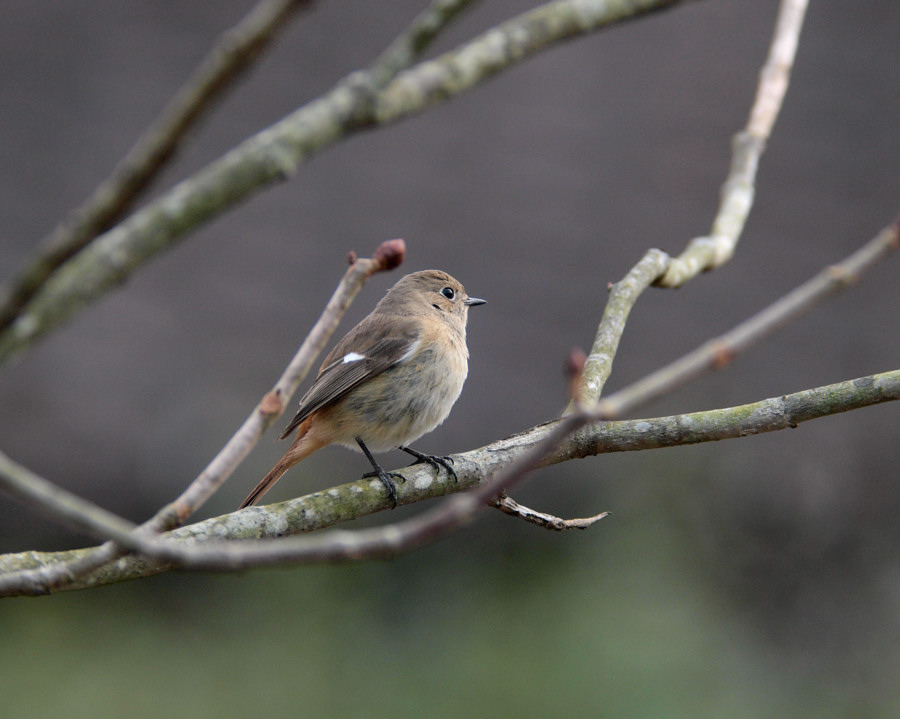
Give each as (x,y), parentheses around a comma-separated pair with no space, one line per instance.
(391,379)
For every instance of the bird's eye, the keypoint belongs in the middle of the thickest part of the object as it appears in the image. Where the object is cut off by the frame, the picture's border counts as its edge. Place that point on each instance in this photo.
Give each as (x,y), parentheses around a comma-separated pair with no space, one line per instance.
(448,293)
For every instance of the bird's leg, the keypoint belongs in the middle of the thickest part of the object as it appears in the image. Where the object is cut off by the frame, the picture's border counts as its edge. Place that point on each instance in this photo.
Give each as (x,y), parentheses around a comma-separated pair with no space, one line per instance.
(377,471)
(436,462)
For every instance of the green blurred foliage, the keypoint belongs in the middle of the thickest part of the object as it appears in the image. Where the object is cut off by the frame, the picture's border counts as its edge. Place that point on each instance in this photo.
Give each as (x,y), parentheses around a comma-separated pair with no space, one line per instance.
(626,619)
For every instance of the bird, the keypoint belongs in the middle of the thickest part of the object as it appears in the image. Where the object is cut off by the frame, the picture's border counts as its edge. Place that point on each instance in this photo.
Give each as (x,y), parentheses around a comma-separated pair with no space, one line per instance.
(392,378)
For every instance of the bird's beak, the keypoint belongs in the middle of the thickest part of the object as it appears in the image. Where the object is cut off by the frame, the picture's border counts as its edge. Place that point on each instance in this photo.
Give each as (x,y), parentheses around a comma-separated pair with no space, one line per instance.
(472,301)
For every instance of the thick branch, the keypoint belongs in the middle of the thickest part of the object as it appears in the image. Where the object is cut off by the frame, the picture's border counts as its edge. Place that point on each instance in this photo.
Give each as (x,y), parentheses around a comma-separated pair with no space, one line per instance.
(349,501)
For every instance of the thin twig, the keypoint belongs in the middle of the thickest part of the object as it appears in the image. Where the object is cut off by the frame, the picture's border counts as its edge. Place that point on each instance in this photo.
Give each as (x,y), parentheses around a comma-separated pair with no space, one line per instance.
(508,505)
(737,198)
(704,253)
(60,504)
(718,352)
(410,45)
(357,102)
(389,255)
(233,53)
(714,250)
(622,297)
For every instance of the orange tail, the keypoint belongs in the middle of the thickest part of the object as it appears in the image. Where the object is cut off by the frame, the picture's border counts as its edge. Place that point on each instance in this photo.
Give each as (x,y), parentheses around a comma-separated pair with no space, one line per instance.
(303,446)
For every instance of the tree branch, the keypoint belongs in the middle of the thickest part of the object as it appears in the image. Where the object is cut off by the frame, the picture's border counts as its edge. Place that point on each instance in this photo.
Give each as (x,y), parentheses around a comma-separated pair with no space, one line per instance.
(622,297)
(718,352)
(704,253)
(324,509)
(508,505)
(232,54)
(410,45)
(361,100)
(501,47)
(496,468)
(714,250)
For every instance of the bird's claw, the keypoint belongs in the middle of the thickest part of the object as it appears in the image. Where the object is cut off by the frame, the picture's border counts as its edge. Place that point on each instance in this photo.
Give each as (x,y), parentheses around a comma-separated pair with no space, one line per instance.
(387,479)
(435,461)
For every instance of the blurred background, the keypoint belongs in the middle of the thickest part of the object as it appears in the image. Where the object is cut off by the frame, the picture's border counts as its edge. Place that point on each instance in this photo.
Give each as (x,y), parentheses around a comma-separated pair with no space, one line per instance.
(743,579)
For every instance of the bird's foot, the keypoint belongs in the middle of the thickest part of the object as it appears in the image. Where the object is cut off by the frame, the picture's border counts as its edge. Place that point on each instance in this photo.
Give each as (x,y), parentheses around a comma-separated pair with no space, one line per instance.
(434,461)
(387,479)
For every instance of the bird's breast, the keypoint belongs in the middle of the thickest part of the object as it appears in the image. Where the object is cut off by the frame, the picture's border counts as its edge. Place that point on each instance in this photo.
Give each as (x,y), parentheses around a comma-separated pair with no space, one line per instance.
(407,400)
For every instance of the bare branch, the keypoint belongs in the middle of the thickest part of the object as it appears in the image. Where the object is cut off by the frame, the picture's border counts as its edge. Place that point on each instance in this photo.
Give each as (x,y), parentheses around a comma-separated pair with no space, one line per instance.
(233,53)
(622,297)
(343,545)
(388,256)
(714,250)
(501,47)
(357,102)
(737,199)
(20,573)
(718,352)
(542,448)
(410,45)
(60,504)
(508,505)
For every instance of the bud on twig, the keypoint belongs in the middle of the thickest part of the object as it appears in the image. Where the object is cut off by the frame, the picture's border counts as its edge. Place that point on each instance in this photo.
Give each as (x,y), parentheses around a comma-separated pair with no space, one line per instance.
(390,254)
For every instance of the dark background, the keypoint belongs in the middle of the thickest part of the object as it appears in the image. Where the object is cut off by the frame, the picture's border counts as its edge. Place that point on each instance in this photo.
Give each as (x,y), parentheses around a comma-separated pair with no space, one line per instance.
(745,578)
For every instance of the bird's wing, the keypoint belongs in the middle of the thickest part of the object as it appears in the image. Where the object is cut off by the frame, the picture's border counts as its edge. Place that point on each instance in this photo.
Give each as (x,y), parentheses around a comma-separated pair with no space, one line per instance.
(366,351)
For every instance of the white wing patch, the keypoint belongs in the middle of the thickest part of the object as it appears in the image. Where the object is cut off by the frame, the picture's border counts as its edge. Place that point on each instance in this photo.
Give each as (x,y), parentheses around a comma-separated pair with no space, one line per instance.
(413,348)
(352,357)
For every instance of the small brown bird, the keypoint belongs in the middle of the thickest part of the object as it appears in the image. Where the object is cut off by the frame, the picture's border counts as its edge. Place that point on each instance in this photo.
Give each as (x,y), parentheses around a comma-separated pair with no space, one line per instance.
(391,379)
